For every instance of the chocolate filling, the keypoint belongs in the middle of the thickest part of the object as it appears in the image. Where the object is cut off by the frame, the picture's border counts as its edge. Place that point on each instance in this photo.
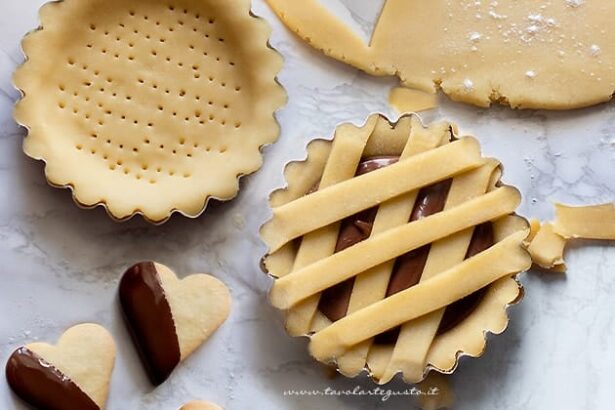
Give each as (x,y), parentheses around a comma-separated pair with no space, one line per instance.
(150,321)
(42,385)
(455,313)
(409,267)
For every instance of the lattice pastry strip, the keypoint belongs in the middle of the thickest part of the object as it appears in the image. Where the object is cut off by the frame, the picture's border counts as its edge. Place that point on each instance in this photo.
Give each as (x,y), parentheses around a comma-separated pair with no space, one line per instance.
(344,158)
(427,160)
(443,255)
(467,337)
(300,317)
(340,200)
(371,286)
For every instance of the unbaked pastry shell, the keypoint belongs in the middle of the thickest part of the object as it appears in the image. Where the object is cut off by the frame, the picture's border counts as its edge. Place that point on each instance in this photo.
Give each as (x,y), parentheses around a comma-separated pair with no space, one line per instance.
(137,140)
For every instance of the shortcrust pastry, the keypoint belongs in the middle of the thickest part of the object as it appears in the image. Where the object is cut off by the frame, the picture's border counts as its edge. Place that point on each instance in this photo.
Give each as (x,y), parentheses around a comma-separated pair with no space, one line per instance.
(522,53)
(548,240)
(394,248)
(149,106)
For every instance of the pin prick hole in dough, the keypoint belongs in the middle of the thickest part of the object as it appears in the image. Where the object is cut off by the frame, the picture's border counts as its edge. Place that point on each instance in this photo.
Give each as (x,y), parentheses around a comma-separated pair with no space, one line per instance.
(111,76)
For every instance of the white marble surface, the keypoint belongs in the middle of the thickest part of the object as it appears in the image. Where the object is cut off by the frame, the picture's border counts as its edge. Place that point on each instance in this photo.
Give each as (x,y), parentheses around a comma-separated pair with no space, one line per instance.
(59,265)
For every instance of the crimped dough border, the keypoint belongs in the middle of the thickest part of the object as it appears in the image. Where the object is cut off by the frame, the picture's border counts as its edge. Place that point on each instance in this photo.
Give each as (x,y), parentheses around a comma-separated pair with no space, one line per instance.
(275,98)
(468,338)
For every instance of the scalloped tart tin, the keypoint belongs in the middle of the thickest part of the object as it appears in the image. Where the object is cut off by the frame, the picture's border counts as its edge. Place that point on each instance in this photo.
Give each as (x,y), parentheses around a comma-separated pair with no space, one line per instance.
(149,107)
(395,248)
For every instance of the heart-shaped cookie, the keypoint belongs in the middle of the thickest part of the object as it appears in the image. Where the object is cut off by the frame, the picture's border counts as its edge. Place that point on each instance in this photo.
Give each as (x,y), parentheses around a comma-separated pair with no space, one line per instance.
(168,317)
(200,405)
(73,374)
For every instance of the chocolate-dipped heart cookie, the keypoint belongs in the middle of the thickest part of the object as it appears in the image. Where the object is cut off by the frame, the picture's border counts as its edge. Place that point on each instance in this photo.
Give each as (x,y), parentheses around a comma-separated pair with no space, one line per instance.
(73,374)
(169,318)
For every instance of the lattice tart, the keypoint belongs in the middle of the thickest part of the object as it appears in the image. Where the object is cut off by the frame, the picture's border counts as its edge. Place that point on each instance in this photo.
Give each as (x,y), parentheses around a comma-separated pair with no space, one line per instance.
(149,106)
(374,291)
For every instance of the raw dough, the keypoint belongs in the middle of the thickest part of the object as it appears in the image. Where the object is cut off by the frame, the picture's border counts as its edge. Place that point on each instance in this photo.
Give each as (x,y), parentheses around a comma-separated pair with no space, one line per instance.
(331,164)
(588,222)
(547,241)
(371,286)
(547,247)
(554,55)
(405,100)
(341,200)
(503,259)
(416,337)
(148,106)
(390,244)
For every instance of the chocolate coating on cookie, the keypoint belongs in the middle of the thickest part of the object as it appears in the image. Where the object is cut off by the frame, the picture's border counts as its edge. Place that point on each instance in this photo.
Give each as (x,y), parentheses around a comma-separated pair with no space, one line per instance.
(42,385)
(150,320)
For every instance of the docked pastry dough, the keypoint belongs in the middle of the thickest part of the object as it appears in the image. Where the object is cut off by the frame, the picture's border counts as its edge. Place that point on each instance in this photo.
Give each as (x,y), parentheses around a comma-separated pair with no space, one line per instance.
(553,55)
(306,268)
(149,106)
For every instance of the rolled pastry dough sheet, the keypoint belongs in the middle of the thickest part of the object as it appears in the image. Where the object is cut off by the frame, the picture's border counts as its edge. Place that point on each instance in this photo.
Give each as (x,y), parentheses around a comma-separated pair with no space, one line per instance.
(527,54)
(149,107)
(548,240)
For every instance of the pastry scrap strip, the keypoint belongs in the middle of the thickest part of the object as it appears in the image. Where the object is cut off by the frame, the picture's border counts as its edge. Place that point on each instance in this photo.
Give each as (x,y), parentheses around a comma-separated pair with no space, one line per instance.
(589,222)
(547,247)
(329,27)
(404,99)
(547,241)
(502,259)
(340,200)
(388,245)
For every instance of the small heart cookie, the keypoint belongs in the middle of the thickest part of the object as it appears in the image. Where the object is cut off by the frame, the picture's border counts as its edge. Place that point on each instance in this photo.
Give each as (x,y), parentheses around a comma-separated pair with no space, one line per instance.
(73,374)
(168,317)
(200,405)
